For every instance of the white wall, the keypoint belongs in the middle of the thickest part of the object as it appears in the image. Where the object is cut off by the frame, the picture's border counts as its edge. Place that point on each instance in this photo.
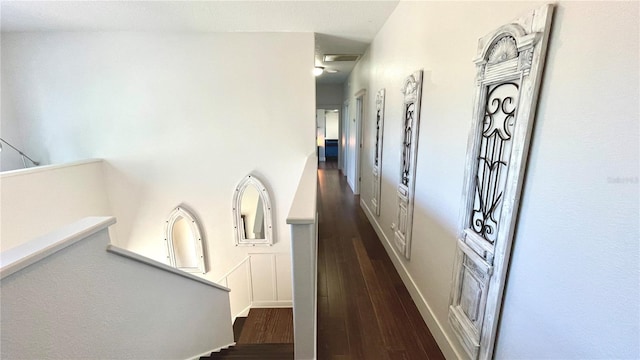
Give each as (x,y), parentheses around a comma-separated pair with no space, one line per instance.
(573,289)
(39,200)
(83,302)
(179,117)
(332,125)
(9,131)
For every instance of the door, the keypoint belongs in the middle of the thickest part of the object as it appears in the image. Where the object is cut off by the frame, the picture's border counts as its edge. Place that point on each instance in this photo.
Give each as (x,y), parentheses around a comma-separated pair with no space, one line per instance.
(359,119)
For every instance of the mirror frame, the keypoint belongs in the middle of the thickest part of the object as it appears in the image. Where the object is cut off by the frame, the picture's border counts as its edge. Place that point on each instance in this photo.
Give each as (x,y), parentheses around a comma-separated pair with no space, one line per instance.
(251,180)
(178,212)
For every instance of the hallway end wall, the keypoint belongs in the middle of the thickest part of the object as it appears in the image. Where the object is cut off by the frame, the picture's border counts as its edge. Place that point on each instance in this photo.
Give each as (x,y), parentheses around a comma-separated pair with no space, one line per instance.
(573,284)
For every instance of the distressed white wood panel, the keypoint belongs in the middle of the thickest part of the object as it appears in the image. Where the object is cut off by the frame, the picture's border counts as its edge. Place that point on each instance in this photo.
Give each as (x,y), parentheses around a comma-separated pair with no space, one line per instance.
(377,152)
(509,67)
(412,93)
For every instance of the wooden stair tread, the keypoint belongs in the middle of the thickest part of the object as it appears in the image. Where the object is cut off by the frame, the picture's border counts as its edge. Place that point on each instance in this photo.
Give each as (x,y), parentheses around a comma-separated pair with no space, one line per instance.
(255,351)
(265,334)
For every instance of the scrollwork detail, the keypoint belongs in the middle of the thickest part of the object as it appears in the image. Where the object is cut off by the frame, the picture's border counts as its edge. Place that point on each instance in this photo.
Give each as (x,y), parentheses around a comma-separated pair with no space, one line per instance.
(497,128)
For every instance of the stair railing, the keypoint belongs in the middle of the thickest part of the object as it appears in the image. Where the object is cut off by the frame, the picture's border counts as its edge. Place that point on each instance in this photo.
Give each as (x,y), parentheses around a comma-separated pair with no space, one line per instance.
(23,155)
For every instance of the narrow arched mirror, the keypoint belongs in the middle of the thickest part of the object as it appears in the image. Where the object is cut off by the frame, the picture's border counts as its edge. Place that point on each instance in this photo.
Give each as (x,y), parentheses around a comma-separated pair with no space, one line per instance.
(252,219)
(184,241)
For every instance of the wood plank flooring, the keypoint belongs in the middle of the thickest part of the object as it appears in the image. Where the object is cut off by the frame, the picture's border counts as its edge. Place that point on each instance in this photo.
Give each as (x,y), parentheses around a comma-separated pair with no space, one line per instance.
(364,309)
(267,326)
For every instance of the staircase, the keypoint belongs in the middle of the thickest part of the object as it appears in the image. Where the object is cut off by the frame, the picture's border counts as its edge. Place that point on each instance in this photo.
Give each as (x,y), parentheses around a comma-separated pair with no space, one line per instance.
(264,334)
(255,351)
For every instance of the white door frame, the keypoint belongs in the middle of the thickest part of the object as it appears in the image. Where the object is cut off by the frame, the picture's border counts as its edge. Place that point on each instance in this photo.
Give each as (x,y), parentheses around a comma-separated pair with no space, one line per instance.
(344,138)
(360,98)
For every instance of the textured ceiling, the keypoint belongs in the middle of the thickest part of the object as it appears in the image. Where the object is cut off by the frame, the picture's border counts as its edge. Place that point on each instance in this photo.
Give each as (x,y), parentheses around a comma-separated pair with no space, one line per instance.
(341,26)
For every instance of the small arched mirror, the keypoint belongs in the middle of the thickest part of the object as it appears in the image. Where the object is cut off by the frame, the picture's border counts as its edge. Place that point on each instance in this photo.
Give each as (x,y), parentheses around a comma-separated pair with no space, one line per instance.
(185,243)
(252,219)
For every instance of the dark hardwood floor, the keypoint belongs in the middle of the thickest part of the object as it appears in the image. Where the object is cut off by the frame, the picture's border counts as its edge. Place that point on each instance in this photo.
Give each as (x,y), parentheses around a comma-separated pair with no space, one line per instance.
(267,326)
(364,309)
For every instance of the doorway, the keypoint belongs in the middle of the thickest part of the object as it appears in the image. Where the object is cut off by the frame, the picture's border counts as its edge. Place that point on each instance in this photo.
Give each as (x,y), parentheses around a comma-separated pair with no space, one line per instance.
(355,143)
(328,135)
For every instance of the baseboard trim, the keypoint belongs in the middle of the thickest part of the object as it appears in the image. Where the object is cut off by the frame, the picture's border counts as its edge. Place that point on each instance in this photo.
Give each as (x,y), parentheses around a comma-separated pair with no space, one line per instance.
(272,304)
(242,313)
(441,337)
(207,353)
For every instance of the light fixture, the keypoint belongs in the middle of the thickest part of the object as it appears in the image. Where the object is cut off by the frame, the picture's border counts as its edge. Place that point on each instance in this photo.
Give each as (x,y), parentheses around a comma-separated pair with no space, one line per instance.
(318,70)
(331,71)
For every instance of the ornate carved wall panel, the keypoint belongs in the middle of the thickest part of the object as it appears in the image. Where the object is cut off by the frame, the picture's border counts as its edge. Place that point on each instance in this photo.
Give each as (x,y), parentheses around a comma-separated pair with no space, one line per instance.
(377,155)
(412,92)
(509,68)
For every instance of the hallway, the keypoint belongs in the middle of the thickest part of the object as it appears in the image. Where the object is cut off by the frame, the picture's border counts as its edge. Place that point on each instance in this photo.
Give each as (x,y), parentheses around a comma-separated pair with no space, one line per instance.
(364,309)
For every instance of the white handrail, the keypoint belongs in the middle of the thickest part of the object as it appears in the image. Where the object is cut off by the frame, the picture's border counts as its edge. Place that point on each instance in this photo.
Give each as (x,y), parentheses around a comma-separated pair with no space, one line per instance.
(233,269)
(303,208)
(158,265)
(19,257)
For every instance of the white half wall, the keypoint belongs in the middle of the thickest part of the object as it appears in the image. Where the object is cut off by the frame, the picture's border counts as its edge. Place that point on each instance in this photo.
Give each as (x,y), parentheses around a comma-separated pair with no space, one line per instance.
(573,287)
(178,117)
(82,302)
(38,200)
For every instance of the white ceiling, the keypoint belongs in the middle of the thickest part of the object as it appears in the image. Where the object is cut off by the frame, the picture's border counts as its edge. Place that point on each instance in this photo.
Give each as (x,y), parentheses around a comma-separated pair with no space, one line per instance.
(342,26)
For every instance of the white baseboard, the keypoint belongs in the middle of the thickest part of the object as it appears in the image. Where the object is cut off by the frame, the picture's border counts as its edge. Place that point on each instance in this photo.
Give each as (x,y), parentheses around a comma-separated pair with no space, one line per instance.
(436,328)
(272,304)
(242,313)
(263,304)
(207,353)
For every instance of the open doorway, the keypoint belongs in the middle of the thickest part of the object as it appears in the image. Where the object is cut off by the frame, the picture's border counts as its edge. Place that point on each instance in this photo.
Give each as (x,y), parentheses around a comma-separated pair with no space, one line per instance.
(354,142)
(328,135)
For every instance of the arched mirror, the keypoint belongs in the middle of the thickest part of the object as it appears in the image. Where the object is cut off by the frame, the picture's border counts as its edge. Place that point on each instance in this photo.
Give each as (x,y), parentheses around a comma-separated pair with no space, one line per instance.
(184,241)
(252,220)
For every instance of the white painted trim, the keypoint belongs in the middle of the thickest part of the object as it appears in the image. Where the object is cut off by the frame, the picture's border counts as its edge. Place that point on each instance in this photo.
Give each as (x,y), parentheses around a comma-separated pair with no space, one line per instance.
(243,313)
(272,304)
(274,274)
(234,268)
(208,353)
(42,168)
(360,99)
(19,257)
(444,341)
(158,265)
(303,207)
